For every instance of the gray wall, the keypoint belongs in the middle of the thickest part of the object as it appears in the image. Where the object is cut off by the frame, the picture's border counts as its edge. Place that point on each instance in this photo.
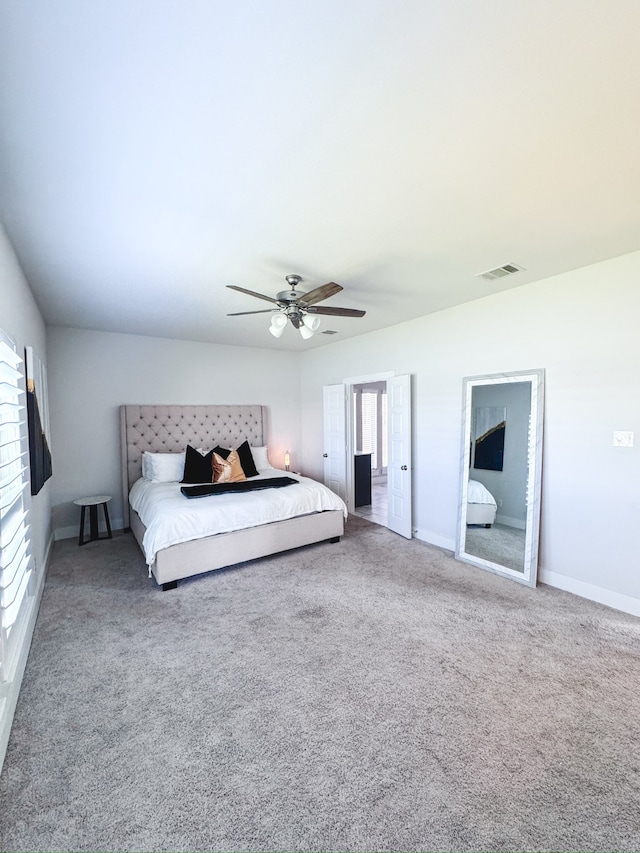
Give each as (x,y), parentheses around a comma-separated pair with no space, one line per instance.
(93,373)
(582,328)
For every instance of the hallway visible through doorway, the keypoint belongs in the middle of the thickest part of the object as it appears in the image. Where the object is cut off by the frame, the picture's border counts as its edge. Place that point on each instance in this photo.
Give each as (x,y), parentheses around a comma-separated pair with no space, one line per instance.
(376,511)
(370,441)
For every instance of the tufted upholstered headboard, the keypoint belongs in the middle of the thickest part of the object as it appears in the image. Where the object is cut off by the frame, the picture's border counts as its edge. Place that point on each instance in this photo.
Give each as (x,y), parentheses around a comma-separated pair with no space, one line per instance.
(168,429)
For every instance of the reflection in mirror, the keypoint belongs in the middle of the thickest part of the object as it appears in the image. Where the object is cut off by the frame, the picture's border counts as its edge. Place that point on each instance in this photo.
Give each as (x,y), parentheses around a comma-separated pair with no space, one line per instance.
(499,512)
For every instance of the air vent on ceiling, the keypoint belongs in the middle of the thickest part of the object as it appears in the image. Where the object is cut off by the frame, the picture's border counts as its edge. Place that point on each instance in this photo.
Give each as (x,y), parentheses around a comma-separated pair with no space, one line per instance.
(499,272)
(329,332)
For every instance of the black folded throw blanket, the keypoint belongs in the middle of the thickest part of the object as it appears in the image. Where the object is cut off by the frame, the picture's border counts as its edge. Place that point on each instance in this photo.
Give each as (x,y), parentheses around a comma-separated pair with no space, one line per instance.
(206,489)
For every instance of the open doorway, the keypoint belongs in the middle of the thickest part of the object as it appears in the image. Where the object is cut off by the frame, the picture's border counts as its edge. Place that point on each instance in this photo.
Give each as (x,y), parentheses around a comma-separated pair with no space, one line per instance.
(388,442)
(371,450)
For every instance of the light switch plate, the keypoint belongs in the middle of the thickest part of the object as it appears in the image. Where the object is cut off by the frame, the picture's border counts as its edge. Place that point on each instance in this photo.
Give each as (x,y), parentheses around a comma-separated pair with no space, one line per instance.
(622,438)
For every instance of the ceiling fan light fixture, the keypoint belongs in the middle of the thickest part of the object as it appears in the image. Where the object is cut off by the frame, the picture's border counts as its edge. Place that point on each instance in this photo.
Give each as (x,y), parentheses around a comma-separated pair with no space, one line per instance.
(278,325)
(309,326)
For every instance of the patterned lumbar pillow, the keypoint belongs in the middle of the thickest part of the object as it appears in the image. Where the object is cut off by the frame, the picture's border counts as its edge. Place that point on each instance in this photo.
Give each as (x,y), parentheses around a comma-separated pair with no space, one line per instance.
(246,458)
(227,470)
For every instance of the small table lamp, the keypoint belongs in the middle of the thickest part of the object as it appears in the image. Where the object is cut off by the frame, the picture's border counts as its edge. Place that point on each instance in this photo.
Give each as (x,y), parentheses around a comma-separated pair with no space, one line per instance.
(287,460)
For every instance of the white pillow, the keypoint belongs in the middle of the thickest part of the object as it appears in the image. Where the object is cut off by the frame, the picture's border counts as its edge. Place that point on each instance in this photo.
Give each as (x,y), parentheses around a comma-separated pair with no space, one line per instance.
(260,459)
(163,467)
(145,466)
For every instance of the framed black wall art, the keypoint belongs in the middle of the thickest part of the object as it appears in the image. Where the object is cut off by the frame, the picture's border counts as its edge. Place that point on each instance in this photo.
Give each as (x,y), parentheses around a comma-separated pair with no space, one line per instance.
(38,420)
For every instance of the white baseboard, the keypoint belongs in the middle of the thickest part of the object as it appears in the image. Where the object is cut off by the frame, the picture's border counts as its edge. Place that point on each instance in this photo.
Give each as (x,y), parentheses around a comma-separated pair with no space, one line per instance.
(11,689)
(66,533)
(73,531)
(510,522)
(617,600)
(436,539)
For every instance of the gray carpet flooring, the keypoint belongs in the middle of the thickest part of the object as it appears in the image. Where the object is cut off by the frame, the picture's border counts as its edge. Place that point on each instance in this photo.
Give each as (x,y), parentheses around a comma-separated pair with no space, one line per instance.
(369,695)
(498,544)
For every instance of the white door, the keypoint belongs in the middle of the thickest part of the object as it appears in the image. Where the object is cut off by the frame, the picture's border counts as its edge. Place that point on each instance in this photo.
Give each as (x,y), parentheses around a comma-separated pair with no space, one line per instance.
(335,432)
(399,455)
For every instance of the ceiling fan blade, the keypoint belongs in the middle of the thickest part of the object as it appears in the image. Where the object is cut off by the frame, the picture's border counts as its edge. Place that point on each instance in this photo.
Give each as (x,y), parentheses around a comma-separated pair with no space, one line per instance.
(320,293)
(335,312)
(252,293)
(242,313)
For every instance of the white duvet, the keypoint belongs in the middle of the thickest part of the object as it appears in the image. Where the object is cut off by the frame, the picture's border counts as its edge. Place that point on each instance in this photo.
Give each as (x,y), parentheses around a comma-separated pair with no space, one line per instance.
(171,518)
(478,494)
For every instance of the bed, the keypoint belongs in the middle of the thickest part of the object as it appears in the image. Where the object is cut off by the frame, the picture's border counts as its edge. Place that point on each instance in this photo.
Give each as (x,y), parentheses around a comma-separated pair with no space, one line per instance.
(481,505)
(169,430)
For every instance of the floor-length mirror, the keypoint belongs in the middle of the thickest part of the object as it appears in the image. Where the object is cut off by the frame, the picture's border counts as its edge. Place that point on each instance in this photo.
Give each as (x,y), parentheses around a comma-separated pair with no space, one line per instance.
(501,459)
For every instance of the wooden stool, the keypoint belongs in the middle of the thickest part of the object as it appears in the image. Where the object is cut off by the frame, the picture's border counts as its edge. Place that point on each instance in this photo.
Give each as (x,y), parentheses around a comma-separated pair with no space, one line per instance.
(93,504)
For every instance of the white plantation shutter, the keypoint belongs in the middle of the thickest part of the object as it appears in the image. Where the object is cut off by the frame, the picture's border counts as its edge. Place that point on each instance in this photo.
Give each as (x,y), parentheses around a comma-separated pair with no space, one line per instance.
(15,551)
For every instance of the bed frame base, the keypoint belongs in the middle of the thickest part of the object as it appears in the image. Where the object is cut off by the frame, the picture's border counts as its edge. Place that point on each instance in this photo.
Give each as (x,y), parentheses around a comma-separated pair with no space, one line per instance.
(228,549)
(481,514)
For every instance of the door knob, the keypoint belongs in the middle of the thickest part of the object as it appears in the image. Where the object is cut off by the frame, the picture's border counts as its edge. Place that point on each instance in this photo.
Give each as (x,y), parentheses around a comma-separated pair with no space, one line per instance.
(325,455)
(403,467)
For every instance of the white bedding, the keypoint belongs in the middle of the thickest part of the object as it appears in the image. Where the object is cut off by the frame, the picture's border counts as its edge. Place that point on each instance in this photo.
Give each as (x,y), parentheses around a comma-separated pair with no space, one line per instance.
(171,518)
(478,494)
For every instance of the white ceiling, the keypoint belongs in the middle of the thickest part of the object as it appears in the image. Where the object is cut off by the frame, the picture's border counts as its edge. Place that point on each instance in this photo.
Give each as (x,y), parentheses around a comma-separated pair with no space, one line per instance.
(154,151)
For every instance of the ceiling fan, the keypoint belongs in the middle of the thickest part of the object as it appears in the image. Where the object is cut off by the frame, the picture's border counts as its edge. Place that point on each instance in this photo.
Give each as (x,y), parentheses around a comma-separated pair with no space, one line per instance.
(300,308)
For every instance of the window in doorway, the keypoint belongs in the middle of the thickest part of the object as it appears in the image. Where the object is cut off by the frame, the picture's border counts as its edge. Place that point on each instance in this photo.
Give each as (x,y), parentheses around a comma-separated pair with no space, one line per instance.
(370,423)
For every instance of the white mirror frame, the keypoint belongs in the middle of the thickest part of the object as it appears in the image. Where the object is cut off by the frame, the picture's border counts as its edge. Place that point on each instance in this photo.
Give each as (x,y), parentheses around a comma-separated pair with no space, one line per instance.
(532,524)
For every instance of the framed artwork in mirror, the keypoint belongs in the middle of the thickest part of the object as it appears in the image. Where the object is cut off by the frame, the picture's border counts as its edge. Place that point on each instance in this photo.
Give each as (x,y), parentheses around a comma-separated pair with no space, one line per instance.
(500,473)
(489,425)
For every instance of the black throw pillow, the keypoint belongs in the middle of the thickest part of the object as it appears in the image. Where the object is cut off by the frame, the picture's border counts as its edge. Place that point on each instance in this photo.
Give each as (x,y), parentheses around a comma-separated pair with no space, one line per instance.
(246,460)
(197,468)
(222,451)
